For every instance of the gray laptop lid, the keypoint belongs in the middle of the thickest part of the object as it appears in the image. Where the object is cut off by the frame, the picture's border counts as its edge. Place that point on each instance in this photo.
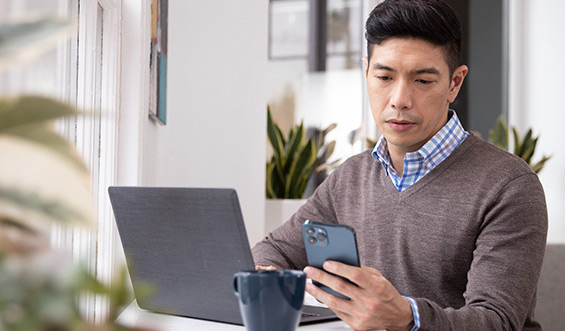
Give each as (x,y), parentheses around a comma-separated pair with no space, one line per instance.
(186,244)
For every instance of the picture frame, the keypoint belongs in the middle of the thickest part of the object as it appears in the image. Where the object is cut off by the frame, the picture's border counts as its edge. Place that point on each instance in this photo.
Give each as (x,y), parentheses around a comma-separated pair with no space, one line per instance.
(288,29)
(158,61)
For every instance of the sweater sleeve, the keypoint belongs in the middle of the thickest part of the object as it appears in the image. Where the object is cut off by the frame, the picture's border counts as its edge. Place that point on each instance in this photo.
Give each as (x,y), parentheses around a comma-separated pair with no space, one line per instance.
(284,247)
(507,259)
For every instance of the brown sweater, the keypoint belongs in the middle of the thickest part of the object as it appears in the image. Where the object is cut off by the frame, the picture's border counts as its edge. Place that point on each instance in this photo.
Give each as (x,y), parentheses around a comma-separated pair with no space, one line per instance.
(466,241)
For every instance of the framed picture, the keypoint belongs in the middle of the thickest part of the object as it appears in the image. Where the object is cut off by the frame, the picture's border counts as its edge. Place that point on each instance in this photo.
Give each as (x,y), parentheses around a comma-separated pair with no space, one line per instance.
(158,61)
(288,29)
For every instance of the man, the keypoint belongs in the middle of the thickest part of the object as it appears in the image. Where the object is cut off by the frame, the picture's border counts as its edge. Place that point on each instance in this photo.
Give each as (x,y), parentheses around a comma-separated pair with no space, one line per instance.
(451,230)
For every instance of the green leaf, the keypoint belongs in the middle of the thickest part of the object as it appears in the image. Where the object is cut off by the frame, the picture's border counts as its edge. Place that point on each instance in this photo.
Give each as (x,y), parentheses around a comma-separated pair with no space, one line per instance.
(526,144)
(280,134)
(275,137)
(304,182)
(529,151)
(293,145)
(120,294)
(43,135)
(517,143)
(326,153)
(319,142)
(118,291)
(31,110)
(286,169)
(302,165)
(498,136)
(328,129)
(370,143)
(27,118)
(523,148)
(94,285)
(269,192)
(33,202)
(321,136)
(275,187)
(291,136)
(278,165)
(539,165)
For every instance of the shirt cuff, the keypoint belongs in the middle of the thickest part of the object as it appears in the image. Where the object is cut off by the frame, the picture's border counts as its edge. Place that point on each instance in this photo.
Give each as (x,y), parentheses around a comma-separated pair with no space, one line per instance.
(415,313)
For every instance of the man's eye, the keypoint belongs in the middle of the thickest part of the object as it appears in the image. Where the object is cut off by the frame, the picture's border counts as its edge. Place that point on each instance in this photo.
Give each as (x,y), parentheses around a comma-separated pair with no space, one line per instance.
(423,81)
(384,78)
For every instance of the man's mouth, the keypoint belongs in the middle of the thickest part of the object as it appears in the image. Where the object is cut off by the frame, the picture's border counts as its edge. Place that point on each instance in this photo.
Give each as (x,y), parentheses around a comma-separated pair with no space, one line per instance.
(400,125)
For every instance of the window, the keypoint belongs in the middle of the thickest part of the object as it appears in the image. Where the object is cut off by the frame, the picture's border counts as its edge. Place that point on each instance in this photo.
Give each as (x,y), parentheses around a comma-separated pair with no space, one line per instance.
(93,84)
(84,71)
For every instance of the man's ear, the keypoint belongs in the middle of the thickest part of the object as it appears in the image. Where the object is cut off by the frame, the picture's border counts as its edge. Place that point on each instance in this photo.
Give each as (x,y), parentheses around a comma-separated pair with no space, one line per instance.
(456,81)
(366,64)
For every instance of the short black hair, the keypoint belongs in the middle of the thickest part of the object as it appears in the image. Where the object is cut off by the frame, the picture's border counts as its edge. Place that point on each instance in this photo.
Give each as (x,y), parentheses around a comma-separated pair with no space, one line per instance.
(430,20)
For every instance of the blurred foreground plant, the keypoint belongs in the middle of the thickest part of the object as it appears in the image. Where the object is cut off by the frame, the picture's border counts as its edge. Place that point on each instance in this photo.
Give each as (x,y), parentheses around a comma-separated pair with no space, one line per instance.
(40,292)
(43,183)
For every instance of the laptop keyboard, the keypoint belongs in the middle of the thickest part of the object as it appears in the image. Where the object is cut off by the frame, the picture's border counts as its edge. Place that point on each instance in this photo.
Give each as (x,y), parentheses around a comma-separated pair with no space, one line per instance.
(309,315)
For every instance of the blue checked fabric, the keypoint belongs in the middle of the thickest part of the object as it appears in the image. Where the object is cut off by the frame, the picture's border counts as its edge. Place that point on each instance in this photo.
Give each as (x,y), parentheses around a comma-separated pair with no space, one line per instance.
(419,163)
(415,313)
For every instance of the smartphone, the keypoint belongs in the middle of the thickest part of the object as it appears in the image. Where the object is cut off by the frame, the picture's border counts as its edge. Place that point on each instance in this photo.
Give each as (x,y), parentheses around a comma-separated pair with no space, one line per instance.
(326,241)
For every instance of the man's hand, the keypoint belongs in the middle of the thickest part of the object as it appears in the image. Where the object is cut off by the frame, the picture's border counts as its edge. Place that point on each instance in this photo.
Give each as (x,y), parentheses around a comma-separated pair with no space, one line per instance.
(260,267)
(374,304)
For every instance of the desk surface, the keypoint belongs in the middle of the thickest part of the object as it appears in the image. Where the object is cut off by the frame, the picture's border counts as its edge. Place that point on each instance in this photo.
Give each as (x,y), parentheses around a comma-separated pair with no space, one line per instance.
(133,316)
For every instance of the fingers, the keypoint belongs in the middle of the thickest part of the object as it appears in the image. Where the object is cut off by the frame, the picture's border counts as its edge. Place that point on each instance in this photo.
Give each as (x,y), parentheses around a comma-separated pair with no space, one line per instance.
(358,275)
(375,303)
(335,283)
(336,304)
(365,278)
(270,267)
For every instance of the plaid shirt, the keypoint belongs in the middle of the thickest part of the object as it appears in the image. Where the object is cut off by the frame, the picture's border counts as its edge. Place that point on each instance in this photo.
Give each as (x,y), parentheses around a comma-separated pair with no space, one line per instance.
(419,163)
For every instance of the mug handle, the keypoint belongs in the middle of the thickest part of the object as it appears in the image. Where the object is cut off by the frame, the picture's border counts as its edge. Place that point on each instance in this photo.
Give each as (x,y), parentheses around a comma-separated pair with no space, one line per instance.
(235,289)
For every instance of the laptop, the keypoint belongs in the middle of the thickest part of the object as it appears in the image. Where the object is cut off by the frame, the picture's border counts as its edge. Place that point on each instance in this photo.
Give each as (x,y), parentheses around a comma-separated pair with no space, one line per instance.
(185,244)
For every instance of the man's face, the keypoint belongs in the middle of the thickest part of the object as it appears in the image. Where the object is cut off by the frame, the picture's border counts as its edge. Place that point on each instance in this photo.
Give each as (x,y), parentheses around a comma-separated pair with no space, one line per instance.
(410,89)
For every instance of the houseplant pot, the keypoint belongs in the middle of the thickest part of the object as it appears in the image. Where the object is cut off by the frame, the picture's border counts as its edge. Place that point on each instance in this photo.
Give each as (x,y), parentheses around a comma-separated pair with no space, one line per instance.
(278,211)
(294,161)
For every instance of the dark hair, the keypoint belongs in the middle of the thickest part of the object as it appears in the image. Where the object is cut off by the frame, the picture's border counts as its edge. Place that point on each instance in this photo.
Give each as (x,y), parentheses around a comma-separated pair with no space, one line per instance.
(431,20)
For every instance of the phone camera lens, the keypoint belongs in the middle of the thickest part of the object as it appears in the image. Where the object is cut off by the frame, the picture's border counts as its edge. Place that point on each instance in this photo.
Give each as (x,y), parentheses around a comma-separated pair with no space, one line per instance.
(321,236)
(310,231)
(312,240)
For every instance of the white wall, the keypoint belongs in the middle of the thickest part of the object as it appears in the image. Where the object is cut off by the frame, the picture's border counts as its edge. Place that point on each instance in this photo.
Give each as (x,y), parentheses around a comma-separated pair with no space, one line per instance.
(537,88)
(216,106)
(216,101)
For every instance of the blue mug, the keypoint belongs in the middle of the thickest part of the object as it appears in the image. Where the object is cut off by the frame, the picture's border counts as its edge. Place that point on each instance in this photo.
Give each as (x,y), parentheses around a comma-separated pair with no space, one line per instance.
(270,299)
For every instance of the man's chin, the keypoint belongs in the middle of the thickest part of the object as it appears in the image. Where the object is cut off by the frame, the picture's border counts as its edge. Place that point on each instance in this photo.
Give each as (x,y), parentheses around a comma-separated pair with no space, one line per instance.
(402,143)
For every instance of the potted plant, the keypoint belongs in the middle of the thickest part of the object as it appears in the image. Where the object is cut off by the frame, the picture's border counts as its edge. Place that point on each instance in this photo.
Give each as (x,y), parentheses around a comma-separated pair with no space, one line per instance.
(295,159)
(524,148)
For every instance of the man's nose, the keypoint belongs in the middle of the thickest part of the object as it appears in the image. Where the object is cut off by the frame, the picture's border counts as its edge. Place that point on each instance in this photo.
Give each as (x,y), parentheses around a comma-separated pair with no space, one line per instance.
(401,97)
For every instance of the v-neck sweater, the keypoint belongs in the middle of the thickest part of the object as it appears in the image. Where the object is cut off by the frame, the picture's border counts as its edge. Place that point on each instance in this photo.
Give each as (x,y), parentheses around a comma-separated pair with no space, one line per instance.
(466,241)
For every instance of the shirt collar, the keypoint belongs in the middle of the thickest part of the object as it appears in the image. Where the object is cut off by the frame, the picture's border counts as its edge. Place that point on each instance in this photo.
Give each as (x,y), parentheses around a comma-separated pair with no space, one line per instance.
(441,144)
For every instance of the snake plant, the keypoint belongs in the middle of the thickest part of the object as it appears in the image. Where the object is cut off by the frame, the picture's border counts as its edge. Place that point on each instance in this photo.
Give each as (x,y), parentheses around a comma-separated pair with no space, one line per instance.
(294,159)
(524,148)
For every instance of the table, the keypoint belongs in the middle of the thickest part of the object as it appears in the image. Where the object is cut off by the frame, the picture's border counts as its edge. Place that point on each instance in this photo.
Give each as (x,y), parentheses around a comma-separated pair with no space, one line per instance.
(133,316)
